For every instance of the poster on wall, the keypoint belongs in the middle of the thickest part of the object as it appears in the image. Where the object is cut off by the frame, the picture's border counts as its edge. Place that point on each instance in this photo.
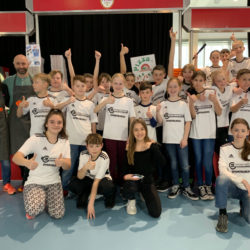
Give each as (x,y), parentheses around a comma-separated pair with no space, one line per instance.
(33,54)
(142,67)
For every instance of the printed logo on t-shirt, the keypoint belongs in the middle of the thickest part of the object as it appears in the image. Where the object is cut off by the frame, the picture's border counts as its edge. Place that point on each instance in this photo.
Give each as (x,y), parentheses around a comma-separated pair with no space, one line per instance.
(169,116)
(230,156)
(201,109)
(48,161)
(239,167)
(45,148)
(40,112)
(117,112)
(79,116)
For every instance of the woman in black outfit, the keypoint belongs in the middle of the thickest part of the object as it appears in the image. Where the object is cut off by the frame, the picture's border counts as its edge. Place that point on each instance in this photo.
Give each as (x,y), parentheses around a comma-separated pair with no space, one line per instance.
(139,165)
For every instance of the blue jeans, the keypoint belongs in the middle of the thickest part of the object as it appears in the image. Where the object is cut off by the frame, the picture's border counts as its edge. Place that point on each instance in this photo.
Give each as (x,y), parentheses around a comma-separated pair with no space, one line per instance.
(5,171)
(179,156)
(226,188)
(75,151)
(203,154)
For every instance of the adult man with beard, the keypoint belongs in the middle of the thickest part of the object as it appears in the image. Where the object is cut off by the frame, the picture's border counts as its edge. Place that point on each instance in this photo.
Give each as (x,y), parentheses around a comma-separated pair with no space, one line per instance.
(19,85)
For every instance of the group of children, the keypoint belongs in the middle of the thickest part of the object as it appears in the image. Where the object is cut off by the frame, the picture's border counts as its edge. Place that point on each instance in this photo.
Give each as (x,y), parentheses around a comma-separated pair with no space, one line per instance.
(187,115)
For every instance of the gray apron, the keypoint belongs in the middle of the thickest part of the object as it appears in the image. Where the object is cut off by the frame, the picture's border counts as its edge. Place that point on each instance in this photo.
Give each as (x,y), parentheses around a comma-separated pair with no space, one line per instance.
(4,132)
(19,127)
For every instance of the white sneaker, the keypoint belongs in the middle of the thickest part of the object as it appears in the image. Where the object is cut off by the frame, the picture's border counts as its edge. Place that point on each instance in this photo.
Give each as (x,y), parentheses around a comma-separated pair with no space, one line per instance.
(131,207)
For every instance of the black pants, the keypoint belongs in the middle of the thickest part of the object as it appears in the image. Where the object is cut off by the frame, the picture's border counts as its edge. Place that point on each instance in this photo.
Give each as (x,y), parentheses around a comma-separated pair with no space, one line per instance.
(221,138)
(149,194)
(83,187)
(164,173)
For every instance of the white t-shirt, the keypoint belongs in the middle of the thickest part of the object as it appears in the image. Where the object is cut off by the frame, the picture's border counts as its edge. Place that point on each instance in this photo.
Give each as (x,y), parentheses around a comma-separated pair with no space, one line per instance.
(204,124)
(101,165)
(87,93)
(131,94)
(38,113)
(174,115)
(101,114)
(46,172)
(159,92)
(59,95)
(244,111)
(234,66)
(117,118)
(208,70)
(140,112)
(225,99)
(79,116)
(232,165)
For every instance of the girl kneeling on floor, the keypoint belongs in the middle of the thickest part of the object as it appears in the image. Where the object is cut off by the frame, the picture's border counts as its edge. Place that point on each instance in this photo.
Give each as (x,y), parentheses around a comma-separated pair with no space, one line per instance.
(234,178)
(138,169)
(51,152)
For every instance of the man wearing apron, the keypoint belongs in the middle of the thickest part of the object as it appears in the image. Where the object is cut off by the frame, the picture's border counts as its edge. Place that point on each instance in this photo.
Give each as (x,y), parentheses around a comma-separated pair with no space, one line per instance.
(19,85)
(4,141)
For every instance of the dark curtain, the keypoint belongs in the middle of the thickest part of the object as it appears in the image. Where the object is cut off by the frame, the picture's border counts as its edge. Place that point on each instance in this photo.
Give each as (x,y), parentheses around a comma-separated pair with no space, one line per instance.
(142,33)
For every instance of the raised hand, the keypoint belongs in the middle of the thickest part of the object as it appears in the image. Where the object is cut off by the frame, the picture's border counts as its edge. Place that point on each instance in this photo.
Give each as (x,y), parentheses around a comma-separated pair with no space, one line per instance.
(90,164)
(149,113)
(172,34)
(192,98)
(24,103)
(212,97)
(98,55)
(244,100)
(32,163)
(158,107)
(59,161)
(48,103)
(110,99)
(202,97)
(124,50)
(68,53)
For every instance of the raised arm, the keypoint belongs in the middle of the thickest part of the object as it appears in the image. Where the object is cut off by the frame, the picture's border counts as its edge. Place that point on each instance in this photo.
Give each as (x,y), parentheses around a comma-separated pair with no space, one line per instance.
(98,56)
(70,65)
(123,52)
(171,54)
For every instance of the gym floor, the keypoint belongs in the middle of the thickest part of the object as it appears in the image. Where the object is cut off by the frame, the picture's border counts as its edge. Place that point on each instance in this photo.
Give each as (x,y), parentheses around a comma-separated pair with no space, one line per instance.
(184,224)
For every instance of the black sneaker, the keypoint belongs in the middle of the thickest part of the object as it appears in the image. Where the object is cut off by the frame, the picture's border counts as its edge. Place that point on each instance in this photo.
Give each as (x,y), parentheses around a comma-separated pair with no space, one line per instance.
(187,192)
(222,223)
(163,186)
(203,193)
(209,192)
(174,192)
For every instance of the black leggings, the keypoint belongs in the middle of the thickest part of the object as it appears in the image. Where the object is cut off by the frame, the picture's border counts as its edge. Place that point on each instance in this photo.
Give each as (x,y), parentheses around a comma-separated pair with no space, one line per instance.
(149,194)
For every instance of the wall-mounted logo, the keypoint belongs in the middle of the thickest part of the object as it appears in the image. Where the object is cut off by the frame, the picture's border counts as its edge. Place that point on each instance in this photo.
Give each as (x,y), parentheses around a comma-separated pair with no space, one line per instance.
(107,3)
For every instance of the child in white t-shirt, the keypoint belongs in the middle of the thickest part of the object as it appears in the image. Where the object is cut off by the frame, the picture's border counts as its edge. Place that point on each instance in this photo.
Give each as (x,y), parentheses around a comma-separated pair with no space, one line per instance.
(239,62)
(146,111)
(80,121)
(240,103)
(58,89)
(234,179)
(119,114)
(93,177)
(175,116)
(208,70)
(37,106)
(203,108)
(51,152)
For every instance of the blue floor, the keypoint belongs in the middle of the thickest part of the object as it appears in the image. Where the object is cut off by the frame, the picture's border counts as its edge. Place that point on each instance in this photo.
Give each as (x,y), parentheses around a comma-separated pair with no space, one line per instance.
(184,224)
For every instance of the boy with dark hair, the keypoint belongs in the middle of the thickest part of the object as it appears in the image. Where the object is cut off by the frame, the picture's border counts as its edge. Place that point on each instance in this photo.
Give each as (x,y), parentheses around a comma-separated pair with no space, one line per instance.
(93,176)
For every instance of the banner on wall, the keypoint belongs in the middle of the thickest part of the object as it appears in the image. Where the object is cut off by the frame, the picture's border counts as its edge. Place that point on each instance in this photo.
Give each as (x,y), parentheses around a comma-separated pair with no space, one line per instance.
(142,67)
(33,54)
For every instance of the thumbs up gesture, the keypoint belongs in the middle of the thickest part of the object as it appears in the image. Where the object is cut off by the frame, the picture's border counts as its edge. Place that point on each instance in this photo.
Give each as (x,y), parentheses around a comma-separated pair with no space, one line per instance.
(244,100)
(68,53)
(32,164)
(59,161)
(202,97)
(48,103)
(24,103)
(110,99)
(90,164)
(98,55)
(149,113)
(124,50)
(212,97)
